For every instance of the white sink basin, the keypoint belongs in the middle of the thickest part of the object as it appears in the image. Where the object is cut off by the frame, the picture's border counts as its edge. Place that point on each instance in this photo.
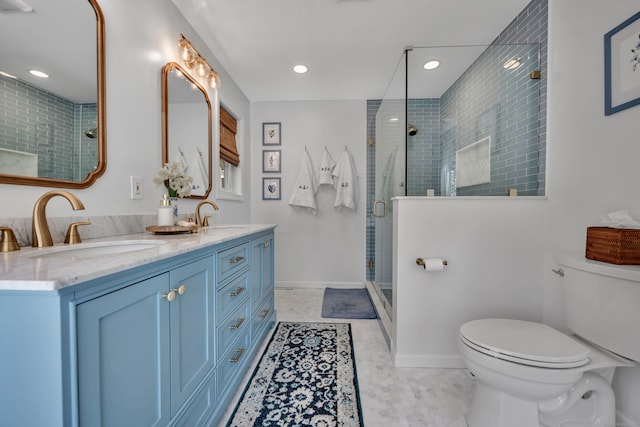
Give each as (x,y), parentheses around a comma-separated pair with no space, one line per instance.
(93,249)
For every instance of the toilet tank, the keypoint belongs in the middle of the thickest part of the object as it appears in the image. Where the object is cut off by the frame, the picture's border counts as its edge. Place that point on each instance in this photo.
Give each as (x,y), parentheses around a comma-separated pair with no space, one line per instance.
(602,303)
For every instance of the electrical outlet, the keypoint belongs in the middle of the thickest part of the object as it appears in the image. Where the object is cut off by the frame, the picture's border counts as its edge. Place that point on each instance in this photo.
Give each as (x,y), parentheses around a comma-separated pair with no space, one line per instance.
(136,187)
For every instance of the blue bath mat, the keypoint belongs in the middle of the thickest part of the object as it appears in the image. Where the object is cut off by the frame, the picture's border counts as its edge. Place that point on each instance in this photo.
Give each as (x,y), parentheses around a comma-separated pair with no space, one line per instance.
(347,304)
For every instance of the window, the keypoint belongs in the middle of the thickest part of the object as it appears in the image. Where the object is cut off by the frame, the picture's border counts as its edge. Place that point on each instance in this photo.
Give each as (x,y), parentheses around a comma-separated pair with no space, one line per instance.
(229,165)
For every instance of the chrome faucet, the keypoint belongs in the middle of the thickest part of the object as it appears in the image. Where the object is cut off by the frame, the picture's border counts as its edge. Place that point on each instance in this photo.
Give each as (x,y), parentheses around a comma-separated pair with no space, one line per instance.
(40,234)
(199,220)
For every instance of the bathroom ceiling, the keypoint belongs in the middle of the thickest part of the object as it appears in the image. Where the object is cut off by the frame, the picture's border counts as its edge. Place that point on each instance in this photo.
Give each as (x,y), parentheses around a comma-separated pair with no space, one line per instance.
(352,47)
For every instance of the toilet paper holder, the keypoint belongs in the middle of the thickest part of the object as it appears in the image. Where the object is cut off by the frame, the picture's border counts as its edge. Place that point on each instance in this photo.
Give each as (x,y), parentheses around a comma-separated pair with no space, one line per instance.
(420,261)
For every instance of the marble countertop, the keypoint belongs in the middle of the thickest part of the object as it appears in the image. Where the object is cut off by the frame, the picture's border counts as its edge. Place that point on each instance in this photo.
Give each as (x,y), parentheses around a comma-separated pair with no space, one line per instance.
(50,269)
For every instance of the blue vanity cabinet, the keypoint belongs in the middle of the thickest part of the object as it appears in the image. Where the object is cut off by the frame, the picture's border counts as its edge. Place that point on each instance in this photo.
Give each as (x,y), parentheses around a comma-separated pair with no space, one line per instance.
(261,282)
(123,356)
(144,350)
(164,343)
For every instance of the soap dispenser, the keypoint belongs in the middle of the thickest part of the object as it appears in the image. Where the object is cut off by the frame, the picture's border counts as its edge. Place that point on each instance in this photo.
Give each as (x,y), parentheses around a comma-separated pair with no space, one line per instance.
(165,212)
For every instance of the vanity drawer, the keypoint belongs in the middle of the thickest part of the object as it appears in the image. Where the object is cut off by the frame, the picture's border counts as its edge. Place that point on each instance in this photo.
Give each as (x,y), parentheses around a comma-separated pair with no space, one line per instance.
(232,361)
(231,260)
(261,317)
(233,328)
(230,296)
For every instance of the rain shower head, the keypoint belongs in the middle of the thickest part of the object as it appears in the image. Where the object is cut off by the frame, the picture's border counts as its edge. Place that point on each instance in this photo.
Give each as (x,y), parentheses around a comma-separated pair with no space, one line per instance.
(412,130)
(91,133)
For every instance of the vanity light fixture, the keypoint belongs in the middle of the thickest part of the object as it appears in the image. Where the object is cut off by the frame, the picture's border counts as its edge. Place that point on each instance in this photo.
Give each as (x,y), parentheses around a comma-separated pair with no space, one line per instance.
(431,65)
(39,73)
(193,61)
(300,69)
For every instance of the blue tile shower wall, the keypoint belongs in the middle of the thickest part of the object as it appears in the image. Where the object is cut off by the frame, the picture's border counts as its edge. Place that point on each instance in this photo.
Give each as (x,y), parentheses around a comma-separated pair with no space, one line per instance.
(515,120)
(424,148)
(490,101)
(530,26)
(372,110)
(35,121)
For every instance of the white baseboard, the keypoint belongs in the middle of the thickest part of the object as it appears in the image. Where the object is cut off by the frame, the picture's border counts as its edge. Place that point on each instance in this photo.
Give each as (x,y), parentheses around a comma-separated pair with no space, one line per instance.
(319,285)
(428,361)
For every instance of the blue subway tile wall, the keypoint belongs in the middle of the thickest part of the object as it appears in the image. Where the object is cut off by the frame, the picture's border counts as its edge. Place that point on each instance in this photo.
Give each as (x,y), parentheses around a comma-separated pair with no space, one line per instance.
(530,26)
(487,100)
(372,109)
(35,121)
(423,148)
(502,104)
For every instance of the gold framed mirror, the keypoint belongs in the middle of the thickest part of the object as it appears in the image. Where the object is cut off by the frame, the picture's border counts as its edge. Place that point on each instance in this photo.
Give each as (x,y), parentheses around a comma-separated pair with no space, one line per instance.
(55,134)
(187,127)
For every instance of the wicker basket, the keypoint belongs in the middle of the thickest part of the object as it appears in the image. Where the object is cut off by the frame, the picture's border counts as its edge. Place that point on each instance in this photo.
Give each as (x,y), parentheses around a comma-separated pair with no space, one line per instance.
(613,245)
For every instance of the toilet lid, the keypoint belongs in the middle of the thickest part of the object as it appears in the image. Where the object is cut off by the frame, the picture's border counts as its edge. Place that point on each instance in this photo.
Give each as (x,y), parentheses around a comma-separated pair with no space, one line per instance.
(529,343)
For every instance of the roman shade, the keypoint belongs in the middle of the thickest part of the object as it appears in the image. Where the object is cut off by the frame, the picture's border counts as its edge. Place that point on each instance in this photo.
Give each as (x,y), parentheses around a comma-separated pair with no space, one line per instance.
(228,130)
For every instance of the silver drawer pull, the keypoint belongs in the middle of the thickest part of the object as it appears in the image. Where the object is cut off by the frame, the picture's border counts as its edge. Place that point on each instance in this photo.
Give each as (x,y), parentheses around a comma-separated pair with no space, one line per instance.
(266,245)
(239,353)
(265,313)
(237,325)
(237,260)
(181,289)
(237,292)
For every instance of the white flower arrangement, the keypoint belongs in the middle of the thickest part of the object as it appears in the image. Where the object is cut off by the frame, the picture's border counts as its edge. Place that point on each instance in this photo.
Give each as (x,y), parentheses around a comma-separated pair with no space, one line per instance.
(175,179)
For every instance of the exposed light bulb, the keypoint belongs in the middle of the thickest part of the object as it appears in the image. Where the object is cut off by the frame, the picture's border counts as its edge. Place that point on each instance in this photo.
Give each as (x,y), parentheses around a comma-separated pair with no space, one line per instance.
(214,80)
(202,69)
(185,51)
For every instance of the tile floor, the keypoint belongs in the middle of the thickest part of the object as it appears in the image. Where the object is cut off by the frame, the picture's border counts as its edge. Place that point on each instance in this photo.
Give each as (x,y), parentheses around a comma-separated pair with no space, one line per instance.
(390,397)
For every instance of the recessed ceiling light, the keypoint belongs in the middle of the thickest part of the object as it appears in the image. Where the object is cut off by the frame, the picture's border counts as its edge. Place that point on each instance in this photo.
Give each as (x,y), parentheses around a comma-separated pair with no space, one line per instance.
(300,69)
(39,74)
(10,76)
(393,119)
(432,65)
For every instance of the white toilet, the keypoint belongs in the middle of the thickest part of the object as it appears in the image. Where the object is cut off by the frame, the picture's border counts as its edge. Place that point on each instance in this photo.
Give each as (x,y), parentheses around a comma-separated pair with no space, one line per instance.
(530,375)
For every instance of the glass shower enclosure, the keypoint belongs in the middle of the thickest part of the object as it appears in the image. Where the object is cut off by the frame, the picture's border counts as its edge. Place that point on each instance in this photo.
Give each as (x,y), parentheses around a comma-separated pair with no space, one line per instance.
(470,127)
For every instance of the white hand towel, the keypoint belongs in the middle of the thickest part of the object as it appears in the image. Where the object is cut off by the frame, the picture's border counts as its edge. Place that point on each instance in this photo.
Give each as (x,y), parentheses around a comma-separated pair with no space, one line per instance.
(327,164)
(180,159)
(200,176)
(303,197)
(346,183)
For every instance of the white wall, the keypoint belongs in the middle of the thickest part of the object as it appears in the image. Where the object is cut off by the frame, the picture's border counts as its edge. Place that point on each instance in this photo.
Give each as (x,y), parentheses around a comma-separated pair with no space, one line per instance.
(141,37)
(494,249)
(592,165)
(328,248)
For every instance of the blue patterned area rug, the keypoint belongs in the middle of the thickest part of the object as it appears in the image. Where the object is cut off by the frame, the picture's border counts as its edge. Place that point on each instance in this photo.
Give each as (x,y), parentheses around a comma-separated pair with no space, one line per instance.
(306,377)
(348,304)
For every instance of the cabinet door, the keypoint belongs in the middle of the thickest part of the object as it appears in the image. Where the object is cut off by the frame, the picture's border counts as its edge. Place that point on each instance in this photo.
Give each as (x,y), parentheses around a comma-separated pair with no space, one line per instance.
(123,356)
(192,326)
(261,269)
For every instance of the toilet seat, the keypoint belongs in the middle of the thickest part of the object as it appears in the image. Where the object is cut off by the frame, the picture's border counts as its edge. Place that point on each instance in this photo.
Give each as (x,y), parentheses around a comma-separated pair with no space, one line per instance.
(527,343)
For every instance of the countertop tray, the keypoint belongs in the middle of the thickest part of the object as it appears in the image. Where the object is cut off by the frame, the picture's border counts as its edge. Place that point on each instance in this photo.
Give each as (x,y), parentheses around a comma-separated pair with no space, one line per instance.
(172,229)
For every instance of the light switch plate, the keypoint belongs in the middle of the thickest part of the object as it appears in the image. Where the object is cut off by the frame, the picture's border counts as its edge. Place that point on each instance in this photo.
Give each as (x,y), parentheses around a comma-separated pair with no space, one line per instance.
(136,187)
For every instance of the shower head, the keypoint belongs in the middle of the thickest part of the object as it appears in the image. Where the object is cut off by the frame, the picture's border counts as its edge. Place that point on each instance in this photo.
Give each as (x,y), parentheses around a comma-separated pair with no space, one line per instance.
(91,133)
(412,130)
